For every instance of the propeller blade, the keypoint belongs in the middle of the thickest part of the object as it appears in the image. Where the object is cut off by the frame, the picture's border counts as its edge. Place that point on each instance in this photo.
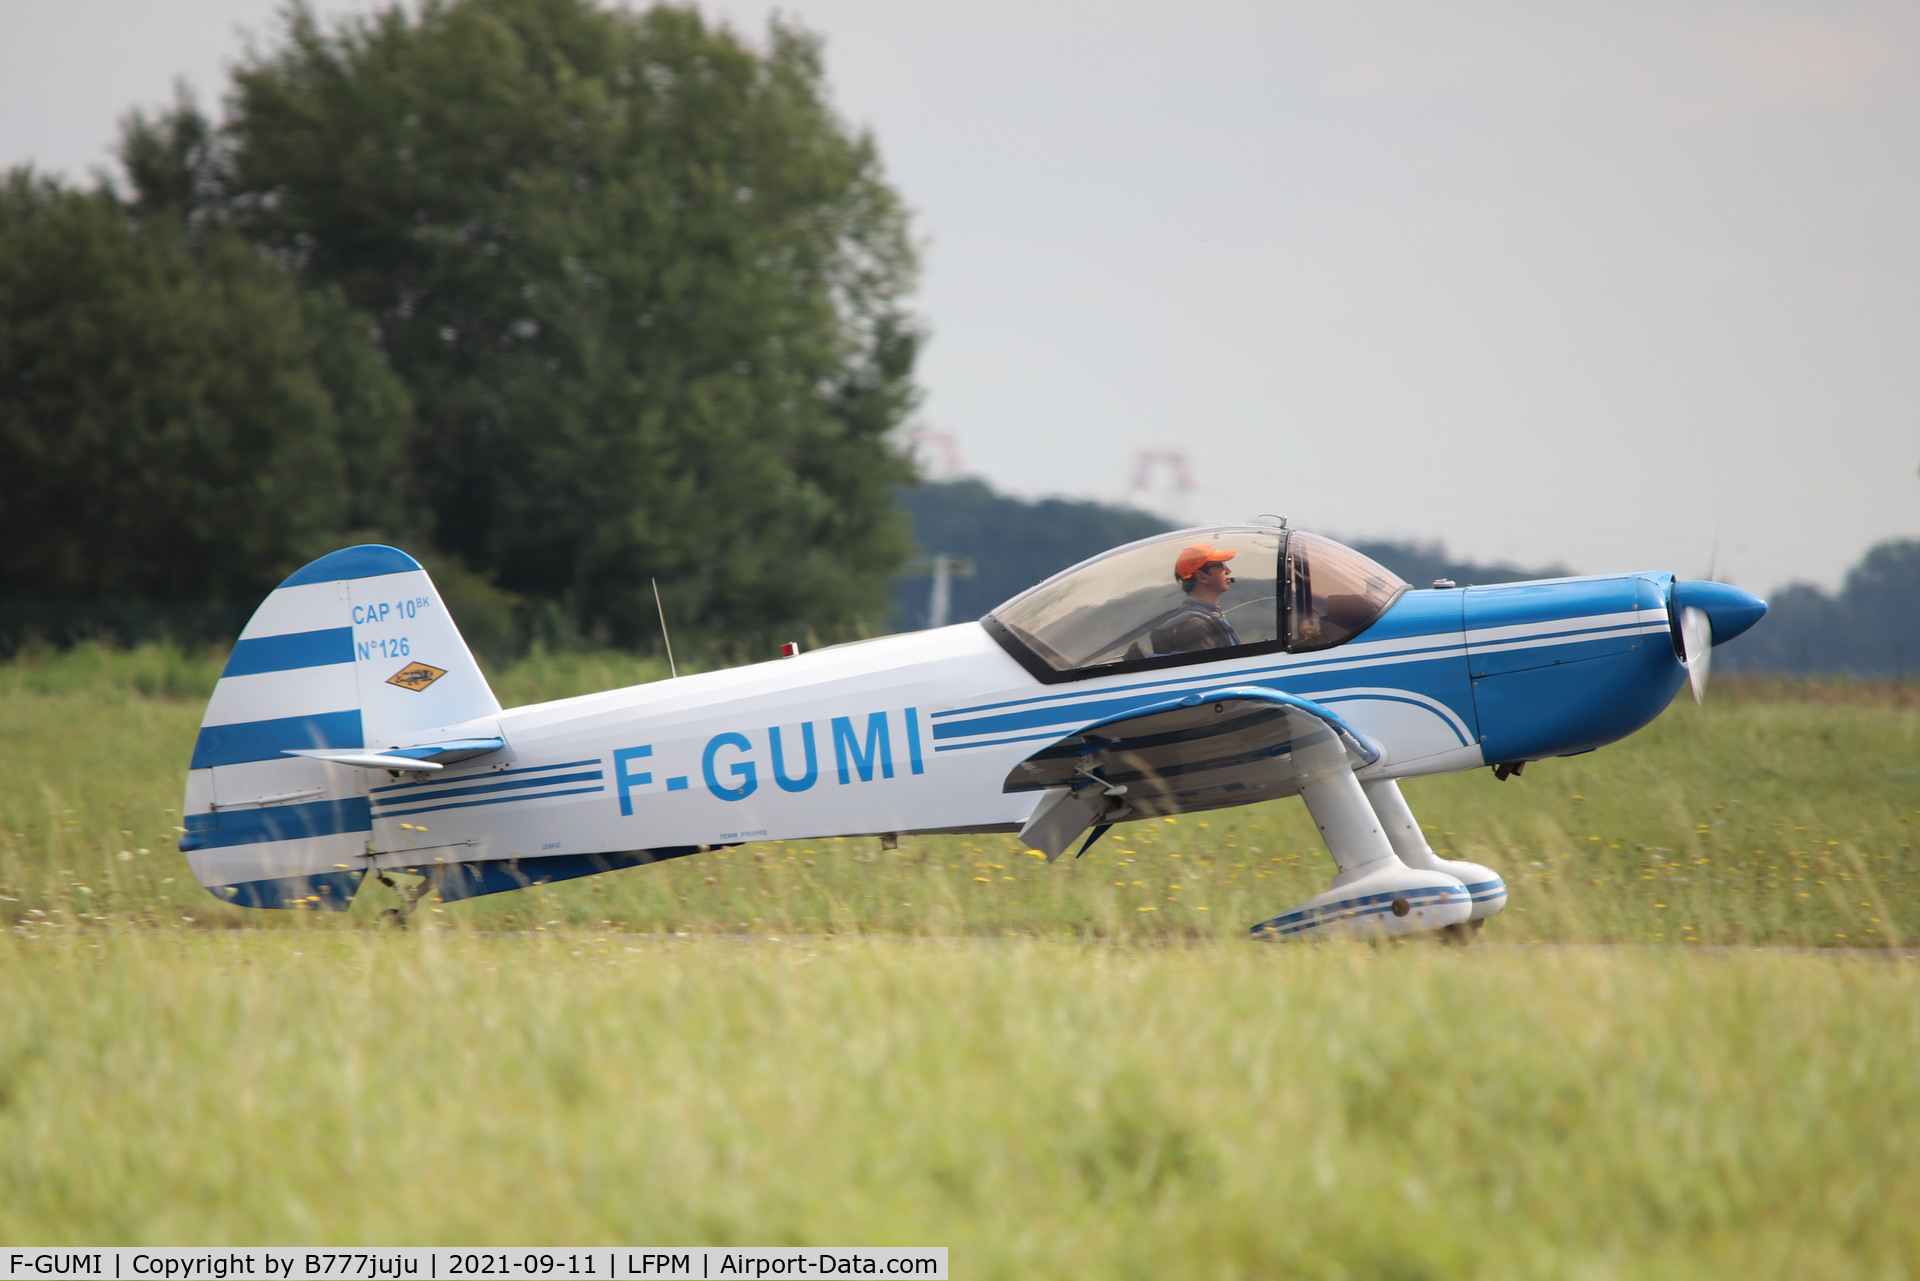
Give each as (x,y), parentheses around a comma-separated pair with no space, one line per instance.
(1696,635)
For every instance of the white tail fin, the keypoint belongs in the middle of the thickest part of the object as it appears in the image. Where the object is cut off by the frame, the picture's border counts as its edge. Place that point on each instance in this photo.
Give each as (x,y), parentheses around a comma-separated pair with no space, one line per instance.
(355,651)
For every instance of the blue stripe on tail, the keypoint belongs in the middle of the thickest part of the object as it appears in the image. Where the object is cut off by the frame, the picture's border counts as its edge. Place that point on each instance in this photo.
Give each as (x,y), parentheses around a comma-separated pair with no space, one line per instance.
(276,823)
(369,560)
(246,741)
(290,652)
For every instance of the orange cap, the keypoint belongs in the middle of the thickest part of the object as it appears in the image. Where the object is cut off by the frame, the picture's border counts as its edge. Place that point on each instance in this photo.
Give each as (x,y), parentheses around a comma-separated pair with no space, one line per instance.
(1197,555)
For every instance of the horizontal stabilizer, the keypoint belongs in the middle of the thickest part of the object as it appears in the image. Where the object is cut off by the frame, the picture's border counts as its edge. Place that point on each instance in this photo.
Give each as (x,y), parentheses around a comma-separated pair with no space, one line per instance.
(364,760)
(421,756)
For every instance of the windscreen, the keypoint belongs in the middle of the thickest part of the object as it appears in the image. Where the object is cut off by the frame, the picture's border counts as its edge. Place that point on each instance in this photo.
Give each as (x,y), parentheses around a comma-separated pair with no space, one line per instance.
(1128,604)
(1336,592)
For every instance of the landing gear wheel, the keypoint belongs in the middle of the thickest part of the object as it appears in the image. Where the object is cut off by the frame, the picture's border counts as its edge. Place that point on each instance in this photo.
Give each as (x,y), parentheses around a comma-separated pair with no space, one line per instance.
(392,918)
(1459,934)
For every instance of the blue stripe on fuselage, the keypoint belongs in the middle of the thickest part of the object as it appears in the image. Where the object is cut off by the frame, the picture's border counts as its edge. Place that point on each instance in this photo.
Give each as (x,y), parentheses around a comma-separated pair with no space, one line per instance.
(1293,678)
(1397,698)
(1076,713)
(1448,646)
(1493,660)
(491,800)
(332,891)
(1566,600)
(498,773)
(518,784)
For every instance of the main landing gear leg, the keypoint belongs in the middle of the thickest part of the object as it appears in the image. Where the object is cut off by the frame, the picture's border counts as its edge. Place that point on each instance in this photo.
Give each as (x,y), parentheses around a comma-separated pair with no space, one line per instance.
(1375,894)
(410,896)
(1488,891)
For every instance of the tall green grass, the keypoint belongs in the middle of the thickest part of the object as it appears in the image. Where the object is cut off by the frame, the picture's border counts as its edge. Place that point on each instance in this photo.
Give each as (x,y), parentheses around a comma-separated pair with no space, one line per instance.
(1047,1109)
(1776,813)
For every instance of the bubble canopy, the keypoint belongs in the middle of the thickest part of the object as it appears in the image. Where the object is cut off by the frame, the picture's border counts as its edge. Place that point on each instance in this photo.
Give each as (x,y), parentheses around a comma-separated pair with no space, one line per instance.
(1126,609)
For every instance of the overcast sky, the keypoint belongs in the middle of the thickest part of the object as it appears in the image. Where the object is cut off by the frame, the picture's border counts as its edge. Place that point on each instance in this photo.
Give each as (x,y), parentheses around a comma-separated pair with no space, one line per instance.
(1590,284)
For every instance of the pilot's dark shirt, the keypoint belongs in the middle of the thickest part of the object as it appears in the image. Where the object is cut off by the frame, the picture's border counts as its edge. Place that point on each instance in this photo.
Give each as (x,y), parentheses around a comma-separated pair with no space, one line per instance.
(1195,625)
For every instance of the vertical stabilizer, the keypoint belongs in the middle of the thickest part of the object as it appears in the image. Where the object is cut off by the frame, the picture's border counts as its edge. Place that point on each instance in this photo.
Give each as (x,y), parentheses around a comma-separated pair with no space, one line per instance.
(355,651)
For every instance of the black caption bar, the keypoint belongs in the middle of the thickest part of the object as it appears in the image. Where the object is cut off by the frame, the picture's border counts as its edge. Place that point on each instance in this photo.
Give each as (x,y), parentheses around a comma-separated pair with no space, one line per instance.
(422,1263)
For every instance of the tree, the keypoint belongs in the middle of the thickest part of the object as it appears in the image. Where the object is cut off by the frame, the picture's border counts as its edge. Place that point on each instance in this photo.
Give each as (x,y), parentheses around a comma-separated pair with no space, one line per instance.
(643,285)
(1880,601)
(1422,563)
(1012,543)
(180,422)
(1872,628)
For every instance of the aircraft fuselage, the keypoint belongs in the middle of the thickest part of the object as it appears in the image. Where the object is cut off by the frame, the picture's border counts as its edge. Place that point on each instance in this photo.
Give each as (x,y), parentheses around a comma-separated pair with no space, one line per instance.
(917,732)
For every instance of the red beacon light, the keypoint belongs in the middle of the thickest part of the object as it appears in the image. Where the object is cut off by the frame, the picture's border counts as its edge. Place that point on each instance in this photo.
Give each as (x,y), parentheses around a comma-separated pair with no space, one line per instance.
(789,649)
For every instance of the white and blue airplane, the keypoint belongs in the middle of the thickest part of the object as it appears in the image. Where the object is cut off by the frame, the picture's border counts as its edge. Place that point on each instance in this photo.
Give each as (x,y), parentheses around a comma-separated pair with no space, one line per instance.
(351,731)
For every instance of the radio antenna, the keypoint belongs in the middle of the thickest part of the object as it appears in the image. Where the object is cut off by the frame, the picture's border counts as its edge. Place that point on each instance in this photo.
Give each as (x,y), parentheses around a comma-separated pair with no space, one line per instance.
(671,669)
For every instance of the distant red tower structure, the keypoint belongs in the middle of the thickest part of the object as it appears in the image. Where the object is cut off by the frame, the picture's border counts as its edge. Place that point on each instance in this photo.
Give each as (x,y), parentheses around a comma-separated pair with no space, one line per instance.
(1151,462)
(944,447)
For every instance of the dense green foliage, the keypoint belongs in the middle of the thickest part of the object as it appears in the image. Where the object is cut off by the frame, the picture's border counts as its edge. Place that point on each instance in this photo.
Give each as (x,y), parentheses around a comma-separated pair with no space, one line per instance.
(644,285)
(573,296)
(1422,563)
(1013,543)
(179,420)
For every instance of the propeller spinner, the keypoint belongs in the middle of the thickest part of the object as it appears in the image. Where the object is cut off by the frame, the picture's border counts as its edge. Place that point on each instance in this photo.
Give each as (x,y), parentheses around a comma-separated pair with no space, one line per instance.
(1710,614)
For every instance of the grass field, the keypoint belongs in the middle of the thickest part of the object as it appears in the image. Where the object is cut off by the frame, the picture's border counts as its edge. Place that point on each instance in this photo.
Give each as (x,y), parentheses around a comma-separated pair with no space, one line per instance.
(1046,1109)
(1071,1071)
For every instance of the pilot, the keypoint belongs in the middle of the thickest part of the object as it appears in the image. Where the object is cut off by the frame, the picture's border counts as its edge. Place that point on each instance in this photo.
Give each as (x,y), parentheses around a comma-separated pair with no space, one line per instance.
(1199,622)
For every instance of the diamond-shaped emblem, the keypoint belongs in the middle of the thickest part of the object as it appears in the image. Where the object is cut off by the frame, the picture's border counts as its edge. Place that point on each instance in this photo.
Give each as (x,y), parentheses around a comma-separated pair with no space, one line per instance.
(416,676)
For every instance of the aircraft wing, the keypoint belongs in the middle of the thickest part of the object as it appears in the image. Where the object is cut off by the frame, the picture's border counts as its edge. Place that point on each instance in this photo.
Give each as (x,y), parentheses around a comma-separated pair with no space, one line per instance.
(1203,751)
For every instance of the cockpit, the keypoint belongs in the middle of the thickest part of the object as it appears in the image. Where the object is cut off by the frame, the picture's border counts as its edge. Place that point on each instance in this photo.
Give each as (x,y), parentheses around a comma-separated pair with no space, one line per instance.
(1192,596)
